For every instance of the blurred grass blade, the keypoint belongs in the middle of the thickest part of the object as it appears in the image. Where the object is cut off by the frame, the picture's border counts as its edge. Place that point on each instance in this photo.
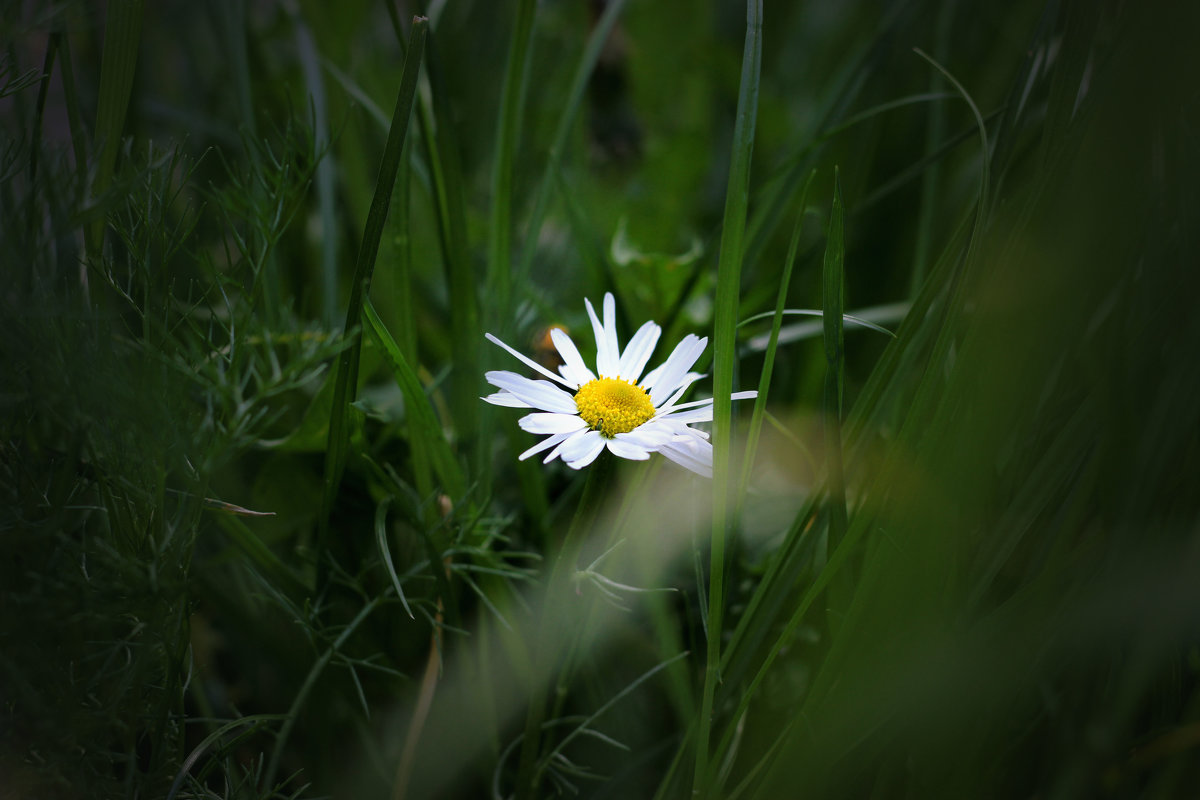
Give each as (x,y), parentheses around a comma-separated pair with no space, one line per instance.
(932,179)
(442,146)
(122,34)
(326,171)
(984,156)
(585,725)
(764,380)
(833,301)
(499,274)
(566,122)
(508,135)
(40,106)
(346,372)
(79,143)
(729,273)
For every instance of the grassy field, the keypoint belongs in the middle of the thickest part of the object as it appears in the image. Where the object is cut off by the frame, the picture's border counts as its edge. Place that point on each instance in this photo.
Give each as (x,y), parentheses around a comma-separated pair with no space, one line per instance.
(261,536)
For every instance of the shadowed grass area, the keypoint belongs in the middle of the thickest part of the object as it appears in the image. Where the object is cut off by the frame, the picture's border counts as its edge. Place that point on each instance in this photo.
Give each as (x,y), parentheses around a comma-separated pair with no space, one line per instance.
(259,536)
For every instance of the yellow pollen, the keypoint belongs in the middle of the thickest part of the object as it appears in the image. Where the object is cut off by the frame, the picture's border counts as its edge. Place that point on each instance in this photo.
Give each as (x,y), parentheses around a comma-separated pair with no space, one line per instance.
(612,406)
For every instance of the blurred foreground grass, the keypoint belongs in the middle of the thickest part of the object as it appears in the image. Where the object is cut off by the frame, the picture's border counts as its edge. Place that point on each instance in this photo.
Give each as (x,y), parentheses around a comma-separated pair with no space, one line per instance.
(222,575)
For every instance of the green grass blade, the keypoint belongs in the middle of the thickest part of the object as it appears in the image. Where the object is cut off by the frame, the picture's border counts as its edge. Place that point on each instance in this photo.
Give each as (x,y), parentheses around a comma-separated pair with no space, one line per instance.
(729,271)
(122,34)
(833,301)
(346,372)
(401,231)
(934,133)
(310,681)
(326,172)
(40,106)
(441,142)
(385,552)
(71,99)
(254,721)
(499,274)
(263,557)
(566,122)
(889,312)
(428,441)
(585,725)
(764,381)
(985,154)
(508,134)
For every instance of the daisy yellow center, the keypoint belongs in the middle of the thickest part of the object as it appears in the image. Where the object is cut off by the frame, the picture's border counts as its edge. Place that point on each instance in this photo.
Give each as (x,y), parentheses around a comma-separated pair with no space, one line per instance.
(612,406)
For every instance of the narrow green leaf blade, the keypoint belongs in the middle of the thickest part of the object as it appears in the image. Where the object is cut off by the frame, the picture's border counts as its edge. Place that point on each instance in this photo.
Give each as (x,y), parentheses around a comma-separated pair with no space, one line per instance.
(346,371)
(729,273)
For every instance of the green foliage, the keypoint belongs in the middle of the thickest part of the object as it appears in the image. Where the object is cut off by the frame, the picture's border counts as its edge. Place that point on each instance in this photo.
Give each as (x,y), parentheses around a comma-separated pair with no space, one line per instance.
(260,538)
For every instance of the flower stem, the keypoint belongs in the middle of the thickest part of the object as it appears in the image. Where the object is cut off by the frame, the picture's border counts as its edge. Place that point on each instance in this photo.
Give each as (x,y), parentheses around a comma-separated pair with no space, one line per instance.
(555,634)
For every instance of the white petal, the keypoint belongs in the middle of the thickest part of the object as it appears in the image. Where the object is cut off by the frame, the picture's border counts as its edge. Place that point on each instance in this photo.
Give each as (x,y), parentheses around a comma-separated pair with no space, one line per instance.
(627,449)
(680,432)
(553,454)
(648,435)
(506,399)
(549,441)
(602,356)
(638,351)
(573,369)
(684,385)
(702,414)
(529,362)
(551,423)
(734,396)
(608,353)
(610,332)
(695,455)
(652,376)
(538,394)
(680,361)
(579,451)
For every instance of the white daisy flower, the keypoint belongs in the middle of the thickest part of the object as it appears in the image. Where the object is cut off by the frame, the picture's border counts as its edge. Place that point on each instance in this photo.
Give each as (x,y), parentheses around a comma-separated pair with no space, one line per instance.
(614,407)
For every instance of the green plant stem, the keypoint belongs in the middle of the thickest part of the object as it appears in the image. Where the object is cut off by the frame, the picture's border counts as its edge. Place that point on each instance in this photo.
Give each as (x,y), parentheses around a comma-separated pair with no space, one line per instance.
(725,330)
(554,622)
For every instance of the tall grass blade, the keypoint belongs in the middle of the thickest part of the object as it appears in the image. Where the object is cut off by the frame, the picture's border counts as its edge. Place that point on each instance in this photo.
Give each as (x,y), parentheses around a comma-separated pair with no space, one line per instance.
(566,122)
(429,444)
(764,381)
(441,143)
(122,35)
(499,274)
(326,172)
(833,301)
(729,273)
(934,133)
(346,373)
(508,137)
